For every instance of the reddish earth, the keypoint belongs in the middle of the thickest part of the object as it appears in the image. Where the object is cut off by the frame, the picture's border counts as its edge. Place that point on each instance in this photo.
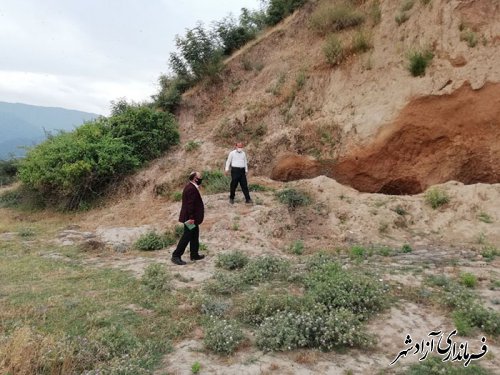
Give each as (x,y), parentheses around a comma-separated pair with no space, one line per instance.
(433,140)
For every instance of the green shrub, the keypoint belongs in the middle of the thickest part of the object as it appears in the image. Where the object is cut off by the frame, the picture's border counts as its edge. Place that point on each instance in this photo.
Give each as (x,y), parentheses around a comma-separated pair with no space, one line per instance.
(279,9)
(336,288)
(330,18)
(361,42)
(169,96)
(468,279)
(156,278)
(257,187)
(8,171)
(358,252)
(406,248)
(375,12)
(195,367)
(319,260)
(470,37)
(425,2)
(233,35)
(316,328)
(26,232)
(489,253)
(334,50)
(154,241)
(216,182)
(262,304)
(418,62)
(231,261)
(176,196)
(265,268)
(297,247)
(485,218)
(215,307)
(401,18)
(436,197)
(407,5)
(223,283)
(191,146)
(222,336)
(293,198)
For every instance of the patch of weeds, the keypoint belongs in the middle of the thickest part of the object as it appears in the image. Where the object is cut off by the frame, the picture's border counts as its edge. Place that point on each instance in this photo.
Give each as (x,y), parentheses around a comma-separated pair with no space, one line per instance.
(176,196)
(495,285)
(316,328)
(215,307)
(182,278)
(383,228)
(336,288)
(192,145)
(178,231)
(485,218)
(436,197)
(222,336)
(489,253)
(385,251)
(246,63)
(406,248)
(232,261)
(470,37)
(257,187)
(401,18)
(334,50)
(275,89)
(318,260)
(481,238)
(156,278)
(215,181)
(26,232)
(195,367)
(418,62)
(330,18)
(235,226)
(300,80)
(462,323)
(203,247)
(265,268)
(439,280)
(407,5)
(153,241)
(357,252)
(225,284)
(425,2)
(361,42)
(293,198)
(261,304)
(435,366)
(468,279)
(297,247)
(375,12)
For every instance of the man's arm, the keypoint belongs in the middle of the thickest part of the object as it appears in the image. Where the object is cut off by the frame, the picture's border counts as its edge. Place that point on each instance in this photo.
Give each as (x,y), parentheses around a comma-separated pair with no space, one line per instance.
(190,202)
(228,162)
(246,162)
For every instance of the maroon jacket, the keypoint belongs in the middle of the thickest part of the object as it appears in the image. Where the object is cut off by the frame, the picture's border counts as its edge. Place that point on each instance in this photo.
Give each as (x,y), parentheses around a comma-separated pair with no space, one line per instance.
(192,205)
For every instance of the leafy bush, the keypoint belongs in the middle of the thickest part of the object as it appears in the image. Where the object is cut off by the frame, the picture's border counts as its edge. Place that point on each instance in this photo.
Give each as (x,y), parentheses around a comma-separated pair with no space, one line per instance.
(317,328)
(406,248)
(334,50)
(265,268)
(176,196)
(330,18)
(418,62)
(233,35)
(375,12)
(153,241)
(297,247)
(231,261)
(336,288)
(222,336)
(434,365)
(216,181)
(156,278)
(358,252)
(191,146)
(470,37)
(263,304)
(279,9)
(293,198)
(488,253)
(361,42)
(8,171)
(169,97)
(225,284)
(468,279)
(436,197)
(485,218)
(215,307)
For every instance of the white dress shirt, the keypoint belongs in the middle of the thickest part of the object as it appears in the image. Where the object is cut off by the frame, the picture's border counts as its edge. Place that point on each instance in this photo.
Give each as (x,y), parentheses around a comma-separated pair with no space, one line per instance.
(237,160)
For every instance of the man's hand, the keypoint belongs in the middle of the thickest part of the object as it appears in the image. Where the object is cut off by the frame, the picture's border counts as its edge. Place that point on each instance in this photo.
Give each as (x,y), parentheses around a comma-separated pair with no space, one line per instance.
(190,221)
(226,173)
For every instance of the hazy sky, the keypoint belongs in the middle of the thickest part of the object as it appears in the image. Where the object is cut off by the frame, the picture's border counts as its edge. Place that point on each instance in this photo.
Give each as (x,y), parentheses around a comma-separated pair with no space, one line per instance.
(82,54)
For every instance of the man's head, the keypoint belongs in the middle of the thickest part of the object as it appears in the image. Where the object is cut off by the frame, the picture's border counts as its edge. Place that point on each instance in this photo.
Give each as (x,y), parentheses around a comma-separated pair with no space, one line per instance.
(239,146)
(196,177)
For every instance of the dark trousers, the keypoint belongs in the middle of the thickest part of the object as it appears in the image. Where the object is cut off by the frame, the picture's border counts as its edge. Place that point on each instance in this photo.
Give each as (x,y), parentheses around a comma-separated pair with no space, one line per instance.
(238,176)
(191,237)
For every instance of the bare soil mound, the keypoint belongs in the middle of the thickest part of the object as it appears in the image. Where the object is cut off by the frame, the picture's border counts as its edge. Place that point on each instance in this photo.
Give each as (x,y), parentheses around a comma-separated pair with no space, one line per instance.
(434,139)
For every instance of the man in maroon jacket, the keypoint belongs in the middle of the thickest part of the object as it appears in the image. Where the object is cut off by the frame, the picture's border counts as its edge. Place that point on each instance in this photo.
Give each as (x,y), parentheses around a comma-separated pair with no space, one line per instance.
(192,212)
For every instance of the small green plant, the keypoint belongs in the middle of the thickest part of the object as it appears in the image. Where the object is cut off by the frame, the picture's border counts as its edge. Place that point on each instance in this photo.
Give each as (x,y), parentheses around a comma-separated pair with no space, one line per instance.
(192,145)
(176,196)
(470,37)
(489,253)
(265,268)
(418,62)
(223,283)
(485,218)
(222,336)
(468,279)
(361,42)
(383,228)
(297,247)
(195,367)
(400,210)
(406,248)
(436,197)
(26,232)
(293,198)
(300,80)
(215,307)
(215,181)
(334,50)
(407,5)
(434,365)
(330,18)
(257,187)
(401,18)
(357,252)
(153,241)
(156,278)
(375,12)
(232,261)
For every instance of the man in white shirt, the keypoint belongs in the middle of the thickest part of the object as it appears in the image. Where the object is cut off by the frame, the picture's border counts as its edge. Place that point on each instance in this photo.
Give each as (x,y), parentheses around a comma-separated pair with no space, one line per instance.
(238,164)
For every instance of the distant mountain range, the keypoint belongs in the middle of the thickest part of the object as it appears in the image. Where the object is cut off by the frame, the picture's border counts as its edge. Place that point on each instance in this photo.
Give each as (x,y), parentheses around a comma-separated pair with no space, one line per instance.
(27,125)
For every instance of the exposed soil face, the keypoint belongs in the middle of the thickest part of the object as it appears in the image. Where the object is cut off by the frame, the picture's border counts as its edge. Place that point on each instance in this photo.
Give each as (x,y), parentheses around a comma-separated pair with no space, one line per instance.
(433,140)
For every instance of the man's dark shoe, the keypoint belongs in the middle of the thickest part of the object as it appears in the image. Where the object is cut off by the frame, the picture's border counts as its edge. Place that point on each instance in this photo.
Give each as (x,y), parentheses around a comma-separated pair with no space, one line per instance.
(231,200)
(178,261)
(249,201)
(198,257)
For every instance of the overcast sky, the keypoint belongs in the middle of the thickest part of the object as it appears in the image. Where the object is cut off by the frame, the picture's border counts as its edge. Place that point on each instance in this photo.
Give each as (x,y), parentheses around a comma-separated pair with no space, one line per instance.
(82,54)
